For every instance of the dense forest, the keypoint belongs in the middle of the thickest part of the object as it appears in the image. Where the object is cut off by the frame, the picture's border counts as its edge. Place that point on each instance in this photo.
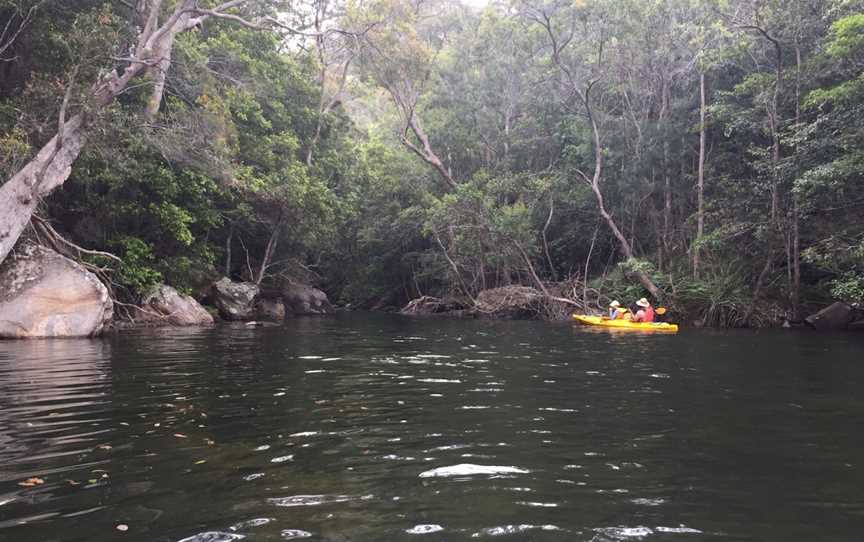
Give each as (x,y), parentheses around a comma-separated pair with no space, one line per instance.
(708,154)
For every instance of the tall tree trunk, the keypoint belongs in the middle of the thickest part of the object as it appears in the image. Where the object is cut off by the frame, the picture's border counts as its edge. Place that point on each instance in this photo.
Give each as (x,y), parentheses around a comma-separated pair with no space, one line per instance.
(667,181)
(546,242)
(700,178)
(796,236)
(228,251)
(269,250)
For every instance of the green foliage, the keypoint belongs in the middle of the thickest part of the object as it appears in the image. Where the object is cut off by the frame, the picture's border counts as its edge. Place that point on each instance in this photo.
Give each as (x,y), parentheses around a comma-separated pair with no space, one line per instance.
(137,272)
(224,168)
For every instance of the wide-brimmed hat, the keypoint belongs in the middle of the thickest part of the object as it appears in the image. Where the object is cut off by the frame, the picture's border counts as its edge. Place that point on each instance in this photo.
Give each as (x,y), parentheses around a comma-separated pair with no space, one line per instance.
(643,303)
(615,304)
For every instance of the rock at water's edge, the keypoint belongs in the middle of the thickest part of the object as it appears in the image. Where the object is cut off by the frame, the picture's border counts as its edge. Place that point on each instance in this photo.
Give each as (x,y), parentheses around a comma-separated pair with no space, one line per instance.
(270,309)
(304,299)
(175,308)
(44,294)
(235,300)
(834,316)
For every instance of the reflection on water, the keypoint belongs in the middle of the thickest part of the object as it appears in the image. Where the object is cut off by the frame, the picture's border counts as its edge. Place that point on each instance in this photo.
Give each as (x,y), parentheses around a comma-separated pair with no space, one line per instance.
(370,427)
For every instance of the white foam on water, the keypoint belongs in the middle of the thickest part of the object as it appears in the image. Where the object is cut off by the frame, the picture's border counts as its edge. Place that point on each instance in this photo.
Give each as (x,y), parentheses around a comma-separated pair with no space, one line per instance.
(262,448)
(331,359)
(469,469)
(538,504)
(291,534)
(310,357)
(279,394)
(304,434)
(314,371)
(433,356)
(552,409)
(487,390)
(439,381)
(424,529)
(474,407)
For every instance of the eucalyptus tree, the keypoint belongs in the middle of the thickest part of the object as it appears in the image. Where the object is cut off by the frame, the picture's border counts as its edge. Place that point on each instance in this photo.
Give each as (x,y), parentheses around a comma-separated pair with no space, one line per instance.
(581,41)
(145,38)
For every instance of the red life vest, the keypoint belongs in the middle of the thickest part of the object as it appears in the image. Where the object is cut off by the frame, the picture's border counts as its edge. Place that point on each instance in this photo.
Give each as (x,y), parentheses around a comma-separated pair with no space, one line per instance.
(647,314)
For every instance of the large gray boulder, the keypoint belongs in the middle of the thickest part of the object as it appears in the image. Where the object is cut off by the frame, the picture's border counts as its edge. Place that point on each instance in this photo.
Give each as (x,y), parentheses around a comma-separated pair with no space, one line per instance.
(169,307)
(835,316)
(235,300)
(304,299)
(44,294)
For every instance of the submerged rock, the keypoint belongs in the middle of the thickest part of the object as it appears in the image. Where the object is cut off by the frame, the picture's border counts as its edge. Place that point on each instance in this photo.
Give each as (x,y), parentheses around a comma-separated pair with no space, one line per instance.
(835,316)
(304,299)
(44,294)
(235,300)
(168,306)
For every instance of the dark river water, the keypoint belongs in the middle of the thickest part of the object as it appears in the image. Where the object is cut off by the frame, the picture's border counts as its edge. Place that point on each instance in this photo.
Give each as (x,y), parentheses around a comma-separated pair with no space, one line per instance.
(370,427)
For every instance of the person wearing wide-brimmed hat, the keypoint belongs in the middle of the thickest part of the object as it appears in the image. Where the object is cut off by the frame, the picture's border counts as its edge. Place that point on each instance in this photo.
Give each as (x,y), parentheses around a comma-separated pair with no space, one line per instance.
(616,311)
(645,312)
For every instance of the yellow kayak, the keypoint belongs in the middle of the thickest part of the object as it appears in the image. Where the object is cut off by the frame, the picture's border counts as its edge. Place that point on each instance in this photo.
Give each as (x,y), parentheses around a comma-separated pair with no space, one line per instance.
(662,327)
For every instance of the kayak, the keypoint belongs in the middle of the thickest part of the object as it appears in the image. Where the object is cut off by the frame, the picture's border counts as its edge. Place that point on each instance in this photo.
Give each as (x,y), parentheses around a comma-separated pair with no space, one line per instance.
(663,327)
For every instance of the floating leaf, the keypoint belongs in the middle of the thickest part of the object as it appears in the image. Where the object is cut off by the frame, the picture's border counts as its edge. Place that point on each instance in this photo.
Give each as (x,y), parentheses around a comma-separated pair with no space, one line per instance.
(180,435)
(30,482)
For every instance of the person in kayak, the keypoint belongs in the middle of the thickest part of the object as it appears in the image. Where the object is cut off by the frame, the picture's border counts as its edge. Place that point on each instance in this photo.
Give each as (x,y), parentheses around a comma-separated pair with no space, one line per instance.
(645,312)
(617,312)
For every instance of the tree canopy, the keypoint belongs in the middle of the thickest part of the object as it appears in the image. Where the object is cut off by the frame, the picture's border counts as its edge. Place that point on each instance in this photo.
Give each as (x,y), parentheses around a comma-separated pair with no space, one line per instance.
(707,153)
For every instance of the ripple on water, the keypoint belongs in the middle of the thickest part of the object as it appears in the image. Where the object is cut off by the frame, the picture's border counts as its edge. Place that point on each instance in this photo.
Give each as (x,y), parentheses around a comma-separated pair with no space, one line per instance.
(638,533)
(213,536)
(309,500)
(291,534)
(469,469)
(251,523)
(424,529)
(505,530)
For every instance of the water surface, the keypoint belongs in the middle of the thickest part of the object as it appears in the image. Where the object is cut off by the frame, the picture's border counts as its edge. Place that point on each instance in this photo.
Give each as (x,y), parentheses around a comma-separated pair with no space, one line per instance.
(370,427)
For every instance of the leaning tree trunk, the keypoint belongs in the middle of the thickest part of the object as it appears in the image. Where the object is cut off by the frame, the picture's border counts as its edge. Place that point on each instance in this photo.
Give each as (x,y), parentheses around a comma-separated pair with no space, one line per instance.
(52,165)
(20,195)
